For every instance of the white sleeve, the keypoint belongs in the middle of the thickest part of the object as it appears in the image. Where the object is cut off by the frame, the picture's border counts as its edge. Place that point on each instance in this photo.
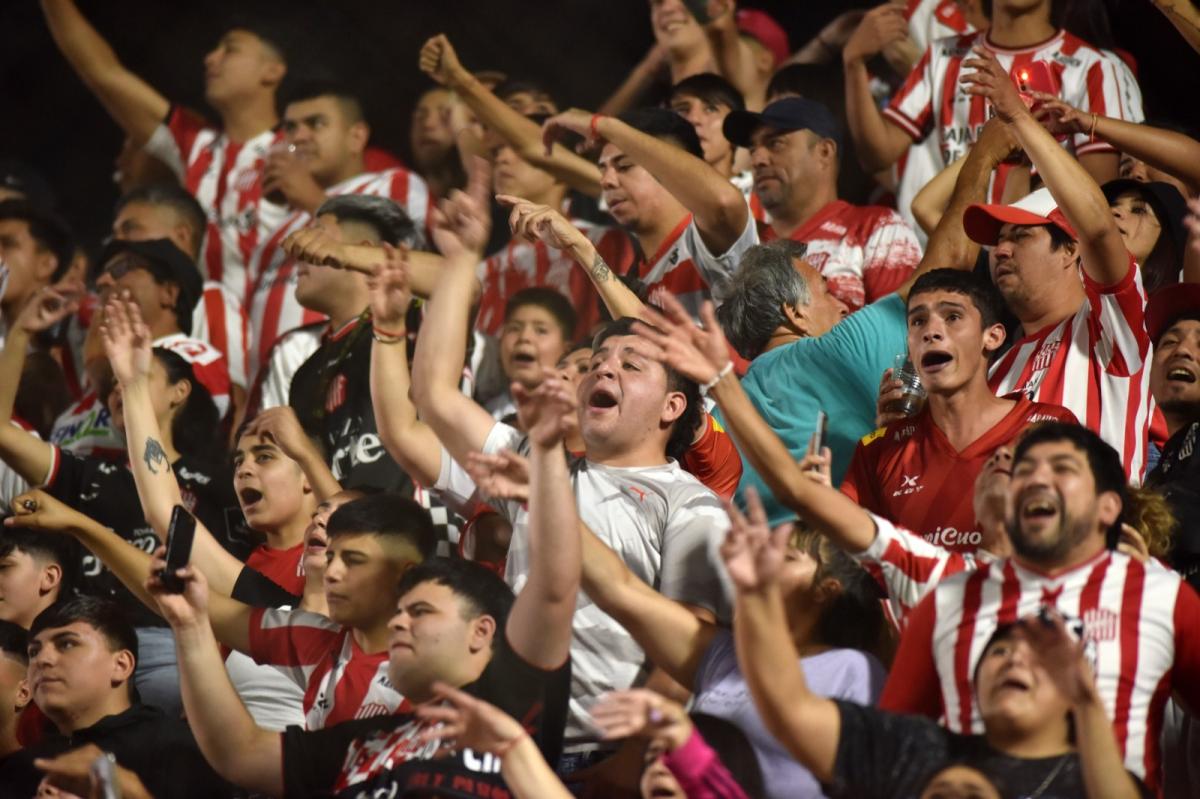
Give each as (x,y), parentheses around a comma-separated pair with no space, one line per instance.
(718,270)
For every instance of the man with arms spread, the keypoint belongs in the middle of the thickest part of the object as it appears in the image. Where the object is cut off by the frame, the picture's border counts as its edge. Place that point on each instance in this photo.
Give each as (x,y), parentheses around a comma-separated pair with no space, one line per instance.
(863,252)
(457,624)
(241,75)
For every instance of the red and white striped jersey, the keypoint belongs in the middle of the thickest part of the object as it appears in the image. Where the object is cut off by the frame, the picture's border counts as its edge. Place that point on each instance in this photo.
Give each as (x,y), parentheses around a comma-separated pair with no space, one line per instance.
(929,20)
(906,566)
(1141,623)
(341,681)
(523,264)
(864,252)
(220,320)
(226,178)
(1094,364)
(273,305)
(933,102)
(684,266)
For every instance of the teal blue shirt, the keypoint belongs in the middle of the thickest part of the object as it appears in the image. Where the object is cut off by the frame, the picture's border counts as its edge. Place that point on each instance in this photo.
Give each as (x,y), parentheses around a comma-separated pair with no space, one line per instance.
(837,373)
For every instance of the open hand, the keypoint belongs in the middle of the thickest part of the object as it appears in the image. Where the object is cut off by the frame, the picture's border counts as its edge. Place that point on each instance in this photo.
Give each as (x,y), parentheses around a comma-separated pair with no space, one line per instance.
(752,552)
(697,353)
(390,291)
(1062,655)
(544,411)
(639,712)
(504,475)
(990,80)
(461,721)
(126,338)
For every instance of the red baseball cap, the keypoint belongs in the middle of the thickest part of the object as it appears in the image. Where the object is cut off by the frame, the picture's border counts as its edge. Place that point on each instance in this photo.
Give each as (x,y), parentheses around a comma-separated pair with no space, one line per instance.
(762,26)
(983,222)
(1168,304)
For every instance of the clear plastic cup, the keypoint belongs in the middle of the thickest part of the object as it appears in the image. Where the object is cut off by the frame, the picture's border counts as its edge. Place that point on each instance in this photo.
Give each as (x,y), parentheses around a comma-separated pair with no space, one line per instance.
(913,397)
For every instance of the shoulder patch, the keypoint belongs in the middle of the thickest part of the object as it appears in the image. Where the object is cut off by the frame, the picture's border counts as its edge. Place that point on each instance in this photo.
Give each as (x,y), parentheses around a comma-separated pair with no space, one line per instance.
(869,437)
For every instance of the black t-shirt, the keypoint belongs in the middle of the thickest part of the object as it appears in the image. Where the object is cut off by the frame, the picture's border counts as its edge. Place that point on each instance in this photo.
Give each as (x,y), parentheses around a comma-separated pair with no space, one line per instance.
(380,757)
(331,394)
(1177,476)
(160,750)
(256,589)
(106,491)
(892,756)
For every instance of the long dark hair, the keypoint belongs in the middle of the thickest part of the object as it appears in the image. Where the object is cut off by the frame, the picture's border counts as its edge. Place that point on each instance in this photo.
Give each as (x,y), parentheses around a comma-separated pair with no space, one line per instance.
(196,428)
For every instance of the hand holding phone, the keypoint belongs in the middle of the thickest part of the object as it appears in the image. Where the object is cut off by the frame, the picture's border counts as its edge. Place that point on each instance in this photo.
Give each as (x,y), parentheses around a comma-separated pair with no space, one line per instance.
(180,535)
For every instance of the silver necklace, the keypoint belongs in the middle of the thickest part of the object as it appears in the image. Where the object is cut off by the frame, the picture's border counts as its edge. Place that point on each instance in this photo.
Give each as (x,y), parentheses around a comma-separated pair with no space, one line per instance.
(1062,761)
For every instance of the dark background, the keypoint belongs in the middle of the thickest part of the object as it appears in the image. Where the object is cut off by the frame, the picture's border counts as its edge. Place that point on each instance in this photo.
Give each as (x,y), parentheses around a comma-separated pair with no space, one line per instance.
(580,49)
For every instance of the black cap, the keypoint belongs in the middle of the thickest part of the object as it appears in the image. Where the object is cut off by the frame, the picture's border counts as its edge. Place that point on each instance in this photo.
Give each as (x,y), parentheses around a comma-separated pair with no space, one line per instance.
(788,114)
(1168,204)
(168,264)
(22,178)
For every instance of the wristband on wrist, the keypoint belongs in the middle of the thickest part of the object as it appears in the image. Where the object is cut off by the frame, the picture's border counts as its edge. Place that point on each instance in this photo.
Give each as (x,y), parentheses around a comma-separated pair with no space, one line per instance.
(593,127)
(726,369)
(1092,132)
(388,336)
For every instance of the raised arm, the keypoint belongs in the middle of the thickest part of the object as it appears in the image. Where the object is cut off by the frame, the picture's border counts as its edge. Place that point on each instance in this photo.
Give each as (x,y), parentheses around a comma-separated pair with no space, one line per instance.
(37,510)
(539,625)
(878,142)
(440,62)
(1103,254)
(703,355)
(674,638)
(1191,254)
(127,344)
(718,207)
(808,725)
(1185,17)
(239,750)
(28,455)
(130,101)
(407,439)
(542,223)
(281,426)
(949,246)
(735,58)
(460,232)
(1174,153)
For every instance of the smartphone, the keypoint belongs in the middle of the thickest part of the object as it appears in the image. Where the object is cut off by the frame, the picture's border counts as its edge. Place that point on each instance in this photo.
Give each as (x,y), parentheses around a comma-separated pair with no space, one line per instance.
(104,777)
(1036,76)
(179,548)
(819,431)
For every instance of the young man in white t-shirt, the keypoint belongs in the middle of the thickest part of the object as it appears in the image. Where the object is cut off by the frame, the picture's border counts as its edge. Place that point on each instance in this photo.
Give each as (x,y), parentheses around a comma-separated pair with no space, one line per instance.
(633,416)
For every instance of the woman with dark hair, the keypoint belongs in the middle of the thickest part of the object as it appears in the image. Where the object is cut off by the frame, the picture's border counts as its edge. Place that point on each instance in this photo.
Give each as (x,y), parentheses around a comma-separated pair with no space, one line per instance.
(1150,218)
(105,490)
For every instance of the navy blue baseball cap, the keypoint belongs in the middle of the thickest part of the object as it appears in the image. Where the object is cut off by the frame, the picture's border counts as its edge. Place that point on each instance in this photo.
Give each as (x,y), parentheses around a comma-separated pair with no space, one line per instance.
(788,114)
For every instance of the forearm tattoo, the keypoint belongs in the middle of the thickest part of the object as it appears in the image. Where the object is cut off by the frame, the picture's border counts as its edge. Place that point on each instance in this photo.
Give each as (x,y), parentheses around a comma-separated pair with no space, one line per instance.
(154,454)
(600,271)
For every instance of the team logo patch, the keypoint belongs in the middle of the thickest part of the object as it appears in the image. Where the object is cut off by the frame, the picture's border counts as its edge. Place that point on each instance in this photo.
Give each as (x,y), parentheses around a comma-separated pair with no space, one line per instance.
(1100,624)
(336,394)
(1045,354)
(869,437)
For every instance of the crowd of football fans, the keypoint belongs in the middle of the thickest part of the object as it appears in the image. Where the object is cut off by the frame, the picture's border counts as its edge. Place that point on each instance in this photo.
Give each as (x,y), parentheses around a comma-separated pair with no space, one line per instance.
(813,420)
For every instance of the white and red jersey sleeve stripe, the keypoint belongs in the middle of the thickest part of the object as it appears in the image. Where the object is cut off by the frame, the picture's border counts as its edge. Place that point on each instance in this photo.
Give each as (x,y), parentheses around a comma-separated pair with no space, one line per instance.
(221,320)
(907,567)
(225,177)
(1094,364)
(293,641)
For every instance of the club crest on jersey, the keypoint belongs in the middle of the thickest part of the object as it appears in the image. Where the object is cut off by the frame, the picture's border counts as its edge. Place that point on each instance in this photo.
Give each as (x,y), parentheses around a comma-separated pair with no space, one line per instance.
(1100,624)
(246,179)
(1041,361)
(336,395)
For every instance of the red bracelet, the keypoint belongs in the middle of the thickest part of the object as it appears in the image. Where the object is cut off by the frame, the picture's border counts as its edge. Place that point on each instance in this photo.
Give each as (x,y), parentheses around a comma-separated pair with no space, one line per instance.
(595,122)
(387,333)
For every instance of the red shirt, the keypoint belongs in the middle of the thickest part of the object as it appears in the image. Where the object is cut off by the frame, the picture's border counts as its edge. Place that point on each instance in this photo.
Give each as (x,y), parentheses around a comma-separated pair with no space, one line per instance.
(714,460)
(909,472)
(284,567)
(864,252)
